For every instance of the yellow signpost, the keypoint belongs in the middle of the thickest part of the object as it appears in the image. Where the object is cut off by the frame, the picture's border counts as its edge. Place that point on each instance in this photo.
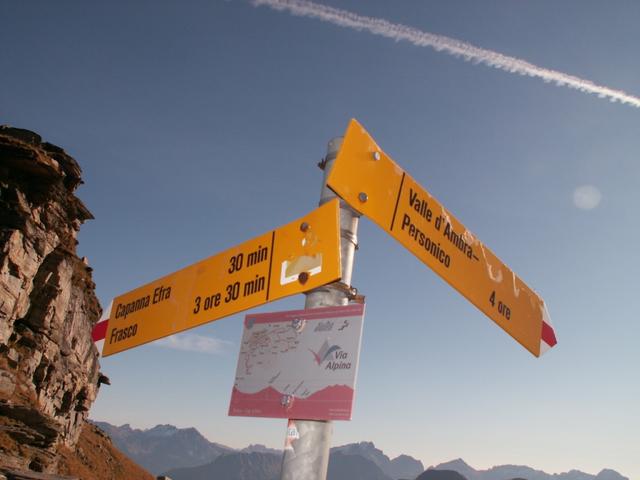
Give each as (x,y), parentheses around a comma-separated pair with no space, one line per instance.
(372,183)
(297,257)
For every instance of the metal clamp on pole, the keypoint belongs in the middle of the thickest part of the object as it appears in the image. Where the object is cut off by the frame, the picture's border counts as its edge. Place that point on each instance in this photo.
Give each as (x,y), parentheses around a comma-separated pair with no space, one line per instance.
(350,291)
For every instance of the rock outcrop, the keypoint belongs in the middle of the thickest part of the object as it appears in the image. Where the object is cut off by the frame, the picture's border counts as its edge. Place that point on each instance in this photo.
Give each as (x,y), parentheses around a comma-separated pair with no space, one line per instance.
(49,370)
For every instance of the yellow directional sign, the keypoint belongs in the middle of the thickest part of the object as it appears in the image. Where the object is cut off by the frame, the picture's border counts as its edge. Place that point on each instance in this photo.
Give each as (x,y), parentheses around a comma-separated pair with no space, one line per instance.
(297,257)
(372,183)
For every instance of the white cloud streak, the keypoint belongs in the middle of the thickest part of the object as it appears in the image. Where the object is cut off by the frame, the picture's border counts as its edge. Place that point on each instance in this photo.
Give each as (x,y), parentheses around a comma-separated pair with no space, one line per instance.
(440,43)
(191,342)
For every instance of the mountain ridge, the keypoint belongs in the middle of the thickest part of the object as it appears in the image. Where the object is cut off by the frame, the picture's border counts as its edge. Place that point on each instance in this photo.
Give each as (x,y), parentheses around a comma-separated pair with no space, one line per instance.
(508,472)
(342,461)
(163,447)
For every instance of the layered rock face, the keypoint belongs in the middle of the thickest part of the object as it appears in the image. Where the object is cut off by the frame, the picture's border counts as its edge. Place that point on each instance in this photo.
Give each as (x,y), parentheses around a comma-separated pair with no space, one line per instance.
(49,370)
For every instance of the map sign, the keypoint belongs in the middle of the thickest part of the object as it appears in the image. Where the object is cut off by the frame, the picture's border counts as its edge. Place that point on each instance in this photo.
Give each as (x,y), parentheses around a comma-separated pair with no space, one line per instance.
(297,257)
(373,184)
(299,364)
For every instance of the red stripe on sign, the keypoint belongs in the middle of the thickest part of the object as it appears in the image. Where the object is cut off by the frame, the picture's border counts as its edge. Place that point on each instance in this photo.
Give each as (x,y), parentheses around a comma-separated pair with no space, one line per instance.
(99,331)
(548,334)
(325,313)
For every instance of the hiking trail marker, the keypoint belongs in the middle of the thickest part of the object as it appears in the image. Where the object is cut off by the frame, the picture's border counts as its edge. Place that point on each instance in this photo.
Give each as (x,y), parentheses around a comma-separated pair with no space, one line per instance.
(374,185)
(299,364)
(284,368)
(294,258)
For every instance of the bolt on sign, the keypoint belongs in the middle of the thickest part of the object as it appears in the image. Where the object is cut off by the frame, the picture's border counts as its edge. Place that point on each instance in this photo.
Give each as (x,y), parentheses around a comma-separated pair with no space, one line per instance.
(297,257)
(373,184)
(299,364)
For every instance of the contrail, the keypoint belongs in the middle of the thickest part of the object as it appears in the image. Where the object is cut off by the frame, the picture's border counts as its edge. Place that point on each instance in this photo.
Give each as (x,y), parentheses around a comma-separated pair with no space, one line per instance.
(468,52)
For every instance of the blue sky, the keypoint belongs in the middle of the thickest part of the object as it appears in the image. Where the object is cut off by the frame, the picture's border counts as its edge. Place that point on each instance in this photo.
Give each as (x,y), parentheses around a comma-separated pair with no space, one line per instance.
(199,125)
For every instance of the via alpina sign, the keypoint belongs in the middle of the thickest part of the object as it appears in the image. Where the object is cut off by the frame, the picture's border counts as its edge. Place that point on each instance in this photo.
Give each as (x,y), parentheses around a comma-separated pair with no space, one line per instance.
(299,364)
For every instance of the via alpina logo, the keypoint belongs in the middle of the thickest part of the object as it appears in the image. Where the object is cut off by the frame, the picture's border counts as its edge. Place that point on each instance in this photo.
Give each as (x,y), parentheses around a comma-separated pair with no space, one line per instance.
(324,352)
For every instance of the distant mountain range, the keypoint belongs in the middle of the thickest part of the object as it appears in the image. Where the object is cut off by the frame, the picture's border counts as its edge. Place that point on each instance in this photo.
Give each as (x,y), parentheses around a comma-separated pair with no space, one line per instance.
(433,474)
(358,461)
(233,466)
(508,472)
(184,454)
(163,447)
(403,466)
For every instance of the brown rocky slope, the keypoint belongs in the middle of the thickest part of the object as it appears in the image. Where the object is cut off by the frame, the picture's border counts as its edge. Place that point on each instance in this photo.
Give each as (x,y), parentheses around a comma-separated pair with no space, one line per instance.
(49,369)
(96,458)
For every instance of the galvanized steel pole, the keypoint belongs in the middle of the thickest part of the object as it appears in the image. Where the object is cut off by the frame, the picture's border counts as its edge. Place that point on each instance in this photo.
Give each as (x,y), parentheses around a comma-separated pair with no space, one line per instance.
(309,441)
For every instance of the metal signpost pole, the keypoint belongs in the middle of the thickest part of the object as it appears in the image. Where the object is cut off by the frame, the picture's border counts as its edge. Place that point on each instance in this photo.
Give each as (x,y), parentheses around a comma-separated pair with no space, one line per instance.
(308,441)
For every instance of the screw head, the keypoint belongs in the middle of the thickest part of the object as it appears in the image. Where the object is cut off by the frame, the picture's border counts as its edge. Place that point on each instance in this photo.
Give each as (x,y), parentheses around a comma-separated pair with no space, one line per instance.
(303,277)
(304,226)
(376,155)
(297,324)
(363,197)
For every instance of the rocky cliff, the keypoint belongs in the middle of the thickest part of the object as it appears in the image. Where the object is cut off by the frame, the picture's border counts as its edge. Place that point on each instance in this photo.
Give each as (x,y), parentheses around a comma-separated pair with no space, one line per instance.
(49,370)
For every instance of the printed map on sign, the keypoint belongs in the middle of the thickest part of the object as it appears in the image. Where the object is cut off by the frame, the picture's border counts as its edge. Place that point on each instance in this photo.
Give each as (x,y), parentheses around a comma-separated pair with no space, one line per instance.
(299,364)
